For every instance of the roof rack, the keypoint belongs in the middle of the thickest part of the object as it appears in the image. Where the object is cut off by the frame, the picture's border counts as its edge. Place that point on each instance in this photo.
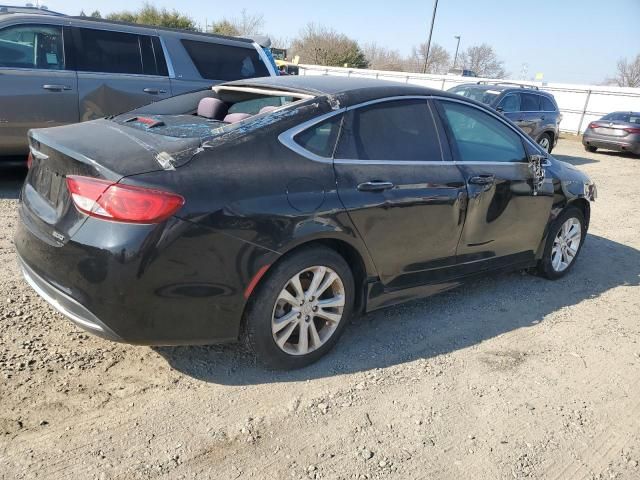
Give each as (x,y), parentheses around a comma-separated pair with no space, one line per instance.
(157,27)
(29,9)
(521,85)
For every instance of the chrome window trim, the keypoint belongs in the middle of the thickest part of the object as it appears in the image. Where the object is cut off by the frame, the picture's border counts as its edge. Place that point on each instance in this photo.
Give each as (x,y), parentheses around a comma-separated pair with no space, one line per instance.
(265,59)
(287,137)
(167,58)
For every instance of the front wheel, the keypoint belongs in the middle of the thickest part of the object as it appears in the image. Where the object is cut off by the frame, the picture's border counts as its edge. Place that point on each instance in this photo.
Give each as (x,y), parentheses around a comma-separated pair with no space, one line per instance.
(564,241)
(300,310)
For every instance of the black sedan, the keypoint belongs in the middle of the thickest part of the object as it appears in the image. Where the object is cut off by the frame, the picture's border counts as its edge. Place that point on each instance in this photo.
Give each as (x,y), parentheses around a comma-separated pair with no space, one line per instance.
(618,131)
(275,209)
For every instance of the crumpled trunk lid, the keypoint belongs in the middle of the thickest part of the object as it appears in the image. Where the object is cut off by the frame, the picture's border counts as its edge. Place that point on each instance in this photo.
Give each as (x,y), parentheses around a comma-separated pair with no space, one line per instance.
(99,149)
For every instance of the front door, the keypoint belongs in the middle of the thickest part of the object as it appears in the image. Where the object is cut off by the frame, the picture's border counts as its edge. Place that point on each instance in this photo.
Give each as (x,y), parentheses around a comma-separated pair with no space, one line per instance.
(505,220)
(401,197)
(37,90)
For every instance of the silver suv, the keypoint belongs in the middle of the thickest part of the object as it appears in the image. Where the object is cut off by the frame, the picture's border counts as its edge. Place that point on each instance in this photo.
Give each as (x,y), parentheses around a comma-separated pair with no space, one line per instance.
(56,69)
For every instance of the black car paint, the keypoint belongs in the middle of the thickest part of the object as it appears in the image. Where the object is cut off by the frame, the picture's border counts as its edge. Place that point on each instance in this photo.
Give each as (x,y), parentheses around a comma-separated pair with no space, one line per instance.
(250,200)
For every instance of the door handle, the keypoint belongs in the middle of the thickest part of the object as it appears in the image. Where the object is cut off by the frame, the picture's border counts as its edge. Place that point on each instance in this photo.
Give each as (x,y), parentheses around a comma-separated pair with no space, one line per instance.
(153,91)
(482,180)
(375,186)
(56,88)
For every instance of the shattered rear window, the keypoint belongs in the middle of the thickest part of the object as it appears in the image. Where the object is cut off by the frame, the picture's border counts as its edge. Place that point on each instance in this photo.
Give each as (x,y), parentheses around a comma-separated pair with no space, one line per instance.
(178,126)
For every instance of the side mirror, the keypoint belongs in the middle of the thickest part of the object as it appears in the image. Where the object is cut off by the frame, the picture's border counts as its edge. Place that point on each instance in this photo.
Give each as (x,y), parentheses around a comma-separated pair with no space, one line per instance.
(500,109)
(537,170)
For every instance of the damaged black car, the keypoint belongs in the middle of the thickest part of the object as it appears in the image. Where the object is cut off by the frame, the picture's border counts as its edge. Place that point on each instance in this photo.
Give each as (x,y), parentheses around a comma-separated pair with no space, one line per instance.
(276,209)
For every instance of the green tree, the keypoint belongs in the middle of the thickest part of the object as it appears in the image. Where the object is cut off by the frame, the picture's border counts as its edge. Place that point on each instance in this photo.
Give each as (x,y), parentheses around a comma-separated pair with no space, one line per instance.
(324,46)
(225,27)
(150,15)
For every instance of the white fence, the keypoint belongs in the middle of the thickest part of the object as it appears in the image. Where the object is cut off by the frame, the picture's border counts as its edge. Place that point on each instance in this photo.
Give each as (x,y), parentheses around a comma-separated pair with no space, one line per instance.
(579,104)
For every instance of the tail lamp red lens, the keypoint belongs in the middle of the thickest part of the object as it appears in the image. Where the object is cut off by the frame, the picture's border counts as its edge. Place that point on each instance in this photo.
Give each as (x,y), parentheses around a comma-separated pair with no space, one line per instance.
(122,203)
(30,160)
(593,125)
(632,130)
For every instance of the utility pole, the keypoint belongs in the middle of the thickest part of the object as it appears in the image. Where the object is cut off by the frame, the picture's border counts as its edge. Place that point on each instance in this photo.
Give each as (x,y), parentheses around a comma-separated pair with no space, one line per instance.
(455,58)
(433,19)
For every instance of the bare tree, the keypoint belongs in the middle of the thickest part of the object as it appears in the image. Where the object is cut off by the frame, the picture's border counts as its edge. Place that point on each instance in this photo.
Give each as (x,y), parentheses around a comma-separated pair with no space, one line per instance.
(439,59)
(628,74)
(244,25)
(381,58)
(482,59)
(324,46)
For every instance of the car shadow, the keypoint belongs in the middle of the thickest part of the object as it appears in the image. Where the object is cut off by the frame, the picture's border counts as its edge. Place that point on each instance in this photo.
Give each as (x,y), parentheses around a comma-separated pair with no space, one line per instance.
(576,161)
(11,180)
(477,311)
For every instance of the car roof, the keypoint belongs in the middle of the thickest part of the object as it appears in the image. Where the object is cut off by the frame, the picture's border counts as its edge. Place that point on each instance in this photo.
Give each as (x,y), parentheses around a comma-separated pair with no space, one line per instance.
(352,90)
(503,87)
(61,19)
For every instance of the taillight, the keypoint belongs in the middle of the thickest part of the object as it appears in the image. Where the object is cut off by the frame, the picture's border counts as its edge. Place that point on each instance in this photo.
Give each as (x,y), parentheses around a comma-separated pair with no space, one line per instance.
(122,203)
(632,130)
(30,160)
(593,125)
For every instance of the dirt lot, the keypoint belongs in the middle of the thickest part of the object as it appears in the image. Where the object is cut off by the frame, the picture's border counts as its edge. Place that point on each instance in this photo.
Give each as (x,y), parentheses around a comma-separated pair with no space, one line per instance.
(511,376)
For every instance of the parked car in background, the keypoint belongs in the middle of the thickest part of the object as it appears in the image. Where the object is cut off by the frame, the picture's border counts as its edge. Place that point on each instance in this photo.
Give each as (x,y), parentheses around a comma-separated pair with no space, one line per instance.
(56,70)
(618,131)
(534,111)
(277,208)
(462,72)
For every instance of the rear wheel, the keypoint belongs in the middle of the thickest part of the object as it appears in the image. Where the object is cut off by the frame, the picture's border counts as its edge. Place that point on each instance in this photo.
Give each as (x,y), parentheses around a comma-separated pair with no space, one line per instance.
(564,242)
(591,149)
(301,309)
(545,142)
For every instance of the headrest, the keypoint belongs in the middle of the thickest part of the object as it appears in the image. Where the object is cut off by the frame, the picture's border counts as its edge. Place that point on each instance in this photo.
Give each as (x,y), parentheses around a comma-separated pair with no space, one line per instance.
(212,108)
(236,117)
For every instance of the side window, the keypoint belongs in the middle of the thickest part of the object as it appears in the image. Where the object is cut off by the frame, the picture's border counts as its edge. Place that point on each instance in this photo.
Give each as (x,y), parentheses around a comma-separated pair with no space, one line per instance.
(321,138)
(32,46)
(511,103)
(478,137)
(215,61)
(529,102)
(547,105)
(395,130)
(111,52)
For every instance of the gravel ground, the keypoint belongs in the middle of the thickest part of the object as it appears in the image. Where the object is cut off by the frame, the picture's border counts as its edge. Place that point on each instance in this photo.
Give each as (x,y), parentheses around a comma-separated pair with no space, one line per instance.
(510,376)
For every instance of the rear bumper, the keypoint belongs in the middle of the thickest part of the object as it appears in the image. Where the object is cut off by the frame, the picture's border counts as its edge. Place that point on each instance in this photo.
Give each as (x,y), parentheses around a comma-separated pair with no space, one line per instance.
(66,305)
(599,141)
(172,284)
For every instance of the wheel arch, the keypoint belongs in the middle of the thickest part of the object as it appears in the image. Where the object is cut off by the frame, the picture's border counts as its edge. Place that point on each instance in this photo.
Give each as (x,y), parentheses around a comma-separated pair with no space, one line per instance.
(359,262)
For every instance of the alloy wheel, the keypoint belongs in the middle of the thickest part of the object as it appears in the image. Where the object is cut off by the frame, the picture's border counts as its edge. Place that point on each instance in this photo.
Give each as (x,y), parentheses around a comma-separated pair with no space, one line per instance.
(308,310)
(544,143)
(566,244)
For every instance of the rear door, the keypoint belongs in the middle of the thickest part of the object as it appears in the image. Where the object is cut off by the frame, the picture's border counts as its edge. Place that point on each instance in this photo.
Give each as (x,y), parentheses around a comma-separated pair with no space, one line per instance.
(504,221)
(403,199)
(38,86)
(118,71)
(530,119)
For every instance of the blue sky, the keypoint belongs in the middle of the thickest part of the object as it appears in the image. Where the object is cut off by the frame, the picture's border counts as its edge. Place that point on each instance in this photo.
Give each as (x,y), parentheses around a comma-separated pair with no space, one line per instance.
(577,41)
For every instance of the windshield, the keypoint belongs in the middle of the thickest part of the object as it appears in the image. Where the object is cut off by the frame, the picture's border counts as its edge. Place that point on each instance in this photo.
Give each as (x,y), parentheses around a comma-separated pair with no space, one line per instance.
(479,94)
(628,117)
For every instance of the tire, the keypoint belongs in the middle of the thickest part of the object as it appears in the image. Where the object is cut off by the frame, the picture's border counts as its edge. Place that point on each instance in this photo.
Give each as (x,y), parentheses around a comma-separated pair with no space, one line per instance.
(591,149)
(545,142)
(547,267)
(268,305)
